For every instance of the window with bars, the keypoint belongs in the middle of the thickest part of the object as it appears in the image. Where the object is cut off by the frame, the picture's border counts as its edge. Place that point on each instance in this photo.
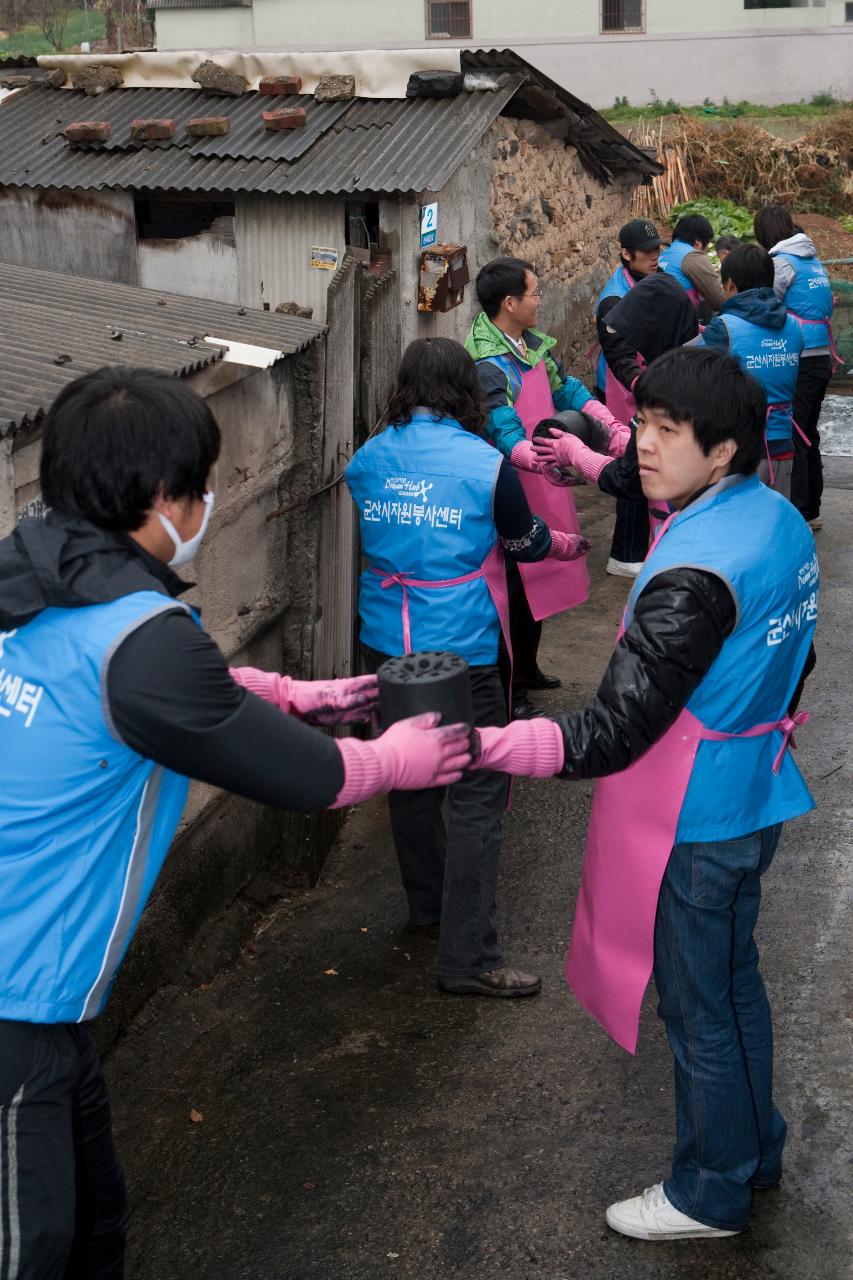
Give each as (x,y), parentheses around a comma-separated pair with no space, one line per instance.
(448,19)
(621,15)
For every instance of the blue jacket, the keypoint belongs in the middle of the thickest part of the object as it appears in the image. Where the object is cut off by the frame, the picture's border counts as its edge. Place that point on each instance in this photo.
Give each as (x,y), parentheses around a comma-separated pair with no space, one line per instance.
(424,494)
(809,297)
(774,578)
(80,851)
(754,327)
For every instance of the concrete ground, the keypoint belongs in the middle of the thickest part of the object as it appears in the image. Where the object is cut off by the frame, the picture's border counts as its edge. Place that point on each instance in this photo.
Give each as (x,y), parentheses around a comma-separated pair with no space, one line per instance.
(320,1112)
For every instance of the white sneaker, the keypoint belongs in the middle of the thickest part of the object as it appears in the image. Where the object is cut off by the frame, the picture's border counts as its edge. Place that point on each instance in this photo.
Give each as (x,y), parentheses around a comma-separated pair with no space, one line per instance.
(652,1217)
(624,568)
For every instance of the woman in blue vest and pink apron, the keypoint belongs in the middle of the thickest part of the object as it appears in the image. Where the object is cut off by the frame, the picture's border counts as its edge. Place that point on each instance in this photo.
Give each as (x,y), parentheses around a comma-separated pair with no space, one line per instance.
(689,735)
(802,284)
(439,509)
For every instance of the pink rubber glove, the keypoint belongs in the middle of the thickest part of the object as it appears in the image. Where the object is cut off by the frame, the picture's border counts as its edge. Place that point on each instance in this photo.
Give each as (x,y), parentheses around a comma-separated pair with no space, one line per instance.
(410,756)
(620,434)
(568,546)
(564,450)
(348,701)
(524,457)
(527,748)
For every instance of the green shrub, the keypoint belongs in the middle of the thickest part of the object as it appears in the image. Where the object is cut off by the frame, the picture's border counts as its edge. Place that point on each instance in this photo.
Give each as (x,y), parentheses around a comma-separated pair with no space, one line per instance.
(726,217)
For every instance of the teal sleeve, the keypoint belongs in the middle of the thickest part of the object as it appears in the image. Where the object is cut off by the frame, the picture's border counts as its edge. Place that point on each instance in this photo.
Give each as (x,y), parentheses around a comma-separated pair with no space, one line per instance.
(571,395)
(505,429)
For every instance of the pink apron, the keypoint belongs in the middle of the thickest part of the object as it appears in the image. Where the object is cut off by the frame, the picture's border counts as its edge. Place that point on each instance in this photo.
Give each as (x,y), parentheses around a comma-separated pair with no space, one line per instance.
(631,832)
(492,570)
(618,399)
(550,585)
(836,358)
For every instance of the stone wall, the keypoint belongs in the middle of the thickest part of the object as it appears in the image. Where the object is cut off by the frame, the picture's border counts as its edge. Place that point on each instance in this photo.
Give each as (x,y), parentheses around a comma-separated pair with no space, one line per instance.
(548,208)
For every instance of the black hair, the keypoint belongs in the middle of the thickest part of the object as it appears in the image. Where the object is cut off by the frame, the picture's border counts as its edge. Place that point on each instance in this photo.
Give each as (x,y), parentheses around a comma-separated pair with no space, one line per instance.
(725,244)
(709,389)
(748,267)
(113,439)
(439,374)
(694,227)
(501,278)
(771,224)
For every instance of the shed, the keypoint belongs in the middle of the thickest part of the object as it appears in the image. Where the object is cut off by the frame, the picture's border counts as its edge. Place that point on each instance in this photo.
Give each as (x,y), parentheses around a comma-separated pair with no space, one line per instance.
(513,161)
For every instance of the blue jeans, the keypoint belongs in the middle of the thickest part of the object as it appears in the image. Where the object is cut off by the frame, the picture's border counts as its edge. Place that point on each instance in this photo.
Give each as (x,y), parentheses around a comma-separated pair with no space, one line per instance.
(729,1135)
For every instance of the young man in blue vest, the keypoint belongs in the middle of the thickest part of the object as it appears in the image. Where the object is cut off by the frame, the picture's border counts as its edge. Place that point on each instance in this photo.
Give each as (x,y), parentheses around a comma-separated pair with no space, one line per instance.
(111,698)
(755,328)
(802,284)
(689,734)
(686,259)
(639,257)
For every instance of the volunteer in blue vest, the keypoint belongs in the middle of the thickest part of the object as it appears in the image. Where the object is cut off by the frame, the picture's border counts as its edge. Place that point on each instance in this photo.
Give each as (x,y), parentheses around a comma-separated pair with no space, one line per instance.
(689,735)
(639,255)
(524,382)
(802,284)
(687,261)
(754,327)
(112,697)
(439,510)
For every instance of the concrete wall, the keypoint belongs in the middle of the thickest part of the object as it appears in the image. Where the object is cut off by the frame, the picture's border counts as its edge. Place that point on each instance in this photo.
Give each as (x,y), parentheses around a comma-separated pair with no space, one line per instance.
(275,237)
(83,233)
(202,266)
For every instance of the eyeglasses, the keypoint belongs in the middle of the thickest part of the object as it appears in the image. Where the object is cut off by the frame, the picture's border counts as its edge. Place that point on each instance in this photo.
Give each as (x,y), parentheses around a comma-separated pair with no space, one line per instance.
(535,293)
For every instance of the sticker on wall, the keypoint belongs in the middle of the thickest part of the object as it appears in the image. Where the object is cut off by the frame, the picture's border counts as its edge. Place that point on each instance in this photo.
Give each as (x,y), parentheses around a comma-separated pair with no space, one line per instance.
(325,259)
(429,224)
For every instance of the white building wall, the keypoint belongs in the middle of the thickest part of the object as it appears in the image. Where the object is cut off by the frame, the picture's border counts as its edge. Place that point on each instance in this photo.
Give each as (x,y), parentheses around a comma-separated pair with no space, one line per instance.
(204,28)
(377,23)
(275,237)
(766,55)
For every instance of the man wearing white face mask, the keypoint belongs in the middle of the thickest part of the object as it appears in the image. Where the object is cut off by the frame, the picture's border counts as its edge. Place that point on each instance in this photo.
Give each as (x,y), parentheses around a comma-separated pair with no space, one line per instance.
(112,697)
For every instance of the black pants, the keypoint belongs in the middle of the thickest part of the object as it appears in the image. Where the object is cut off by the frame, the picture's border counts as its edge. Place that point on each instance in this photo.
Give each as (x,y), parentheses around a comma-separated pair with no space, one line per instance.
(807,474)
(63,1209)
(631,532)
(524,632)
(450,873)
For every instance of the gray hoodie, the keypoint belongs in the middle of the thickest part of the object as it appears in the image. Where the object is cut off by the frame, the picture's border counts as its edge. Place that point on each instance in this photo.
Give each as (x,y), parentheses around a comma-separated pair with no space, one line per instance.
(798,245)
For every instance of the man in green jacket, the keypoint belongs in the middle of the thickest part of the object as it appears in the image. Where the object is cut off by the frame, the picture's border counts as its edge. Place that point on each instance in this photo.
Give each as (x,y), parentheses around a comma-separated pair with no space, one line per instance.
(512,356)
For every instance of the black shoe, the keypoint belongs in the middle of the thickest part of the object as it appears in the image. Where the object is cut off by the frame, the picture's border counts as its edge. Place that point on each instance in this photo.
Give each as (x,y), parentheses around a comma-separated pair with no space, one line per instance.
(524,710)
(539,680)
(504,982)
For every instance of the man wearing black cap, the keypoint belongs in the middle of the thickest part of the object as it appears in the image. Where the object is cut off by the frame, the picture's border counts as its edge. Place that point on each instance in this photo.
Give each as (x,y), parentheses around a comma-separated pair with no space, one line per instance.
(639,251)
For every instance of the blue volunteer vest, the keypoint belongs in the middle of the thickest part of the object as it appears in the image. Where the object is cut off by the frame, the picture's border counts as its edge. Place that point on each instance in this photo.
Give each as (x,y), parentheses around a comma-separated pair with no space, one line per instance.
(671,260)
(809,296)
(85,823)
(617,286)
(425,495)
(773,357)
(773,574)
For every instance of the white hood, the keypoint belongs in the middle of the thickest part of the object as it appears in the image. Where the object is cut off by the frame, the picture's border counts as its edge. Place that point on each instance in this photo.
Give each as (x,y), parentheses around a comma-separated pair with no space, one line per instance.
(799,245)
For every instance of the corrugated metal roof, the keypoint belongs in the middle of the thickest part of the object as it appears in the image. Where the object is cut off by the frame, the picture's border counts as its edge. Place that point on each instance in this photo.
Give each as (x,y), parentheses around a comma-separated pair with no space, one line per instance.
(45,315)
(368,145)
